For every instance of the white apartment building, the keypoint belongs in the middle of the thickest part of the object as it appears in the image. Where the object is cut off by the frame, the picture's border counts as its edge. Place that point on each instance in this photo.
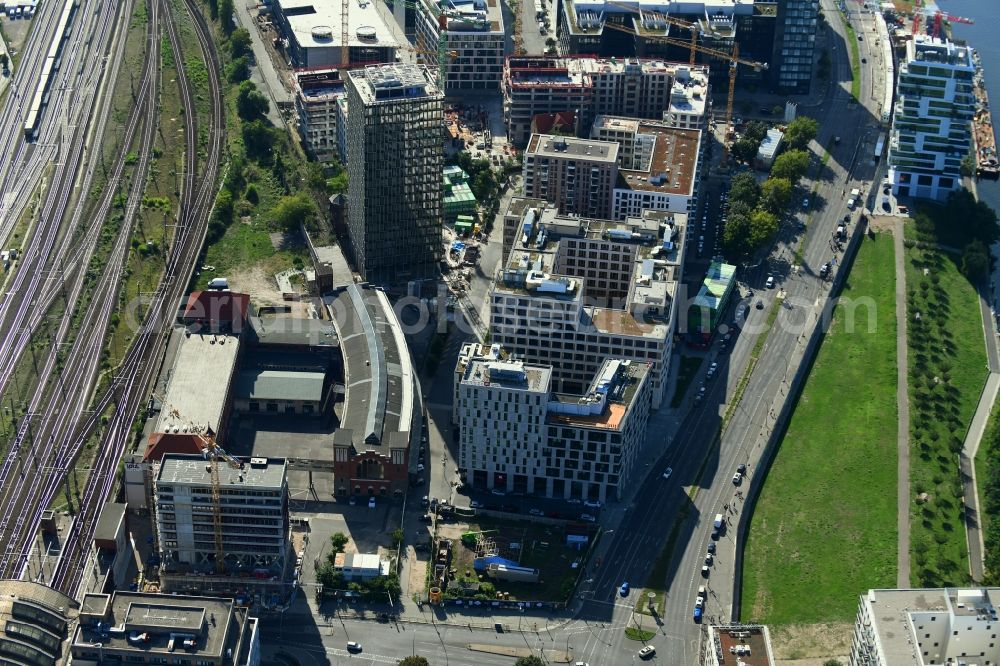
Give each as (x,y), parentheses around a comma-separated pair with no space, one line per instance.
(658,166)
(252,507)
(312,30)
(575,292)
(927,627)
(317,97)
(931,124)
(473,41)
(517,435)
(689,99)
(589,86)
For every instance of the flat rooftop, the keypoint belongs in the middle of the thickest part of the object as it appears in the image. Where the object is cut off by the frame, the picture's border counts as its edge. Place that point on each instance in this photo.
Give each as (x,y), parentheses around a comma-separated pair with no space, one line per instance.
(290,385)
(741,644)
(378,372)
(928,49)
(196,392)
(268,473)
(621,381)
(674,157)
(317,24)
(378,84)
(567,147)
(293,331)
(319,85)
(162,621)
(573,71)
(513,375)
(464,16)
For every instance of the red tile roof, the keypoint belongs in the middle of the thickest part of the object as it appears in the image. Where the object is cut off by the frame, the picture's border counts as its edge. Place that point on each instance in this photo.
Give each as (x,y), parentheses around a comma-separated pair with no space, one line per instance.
(216,307)
(162,443)
(544,123)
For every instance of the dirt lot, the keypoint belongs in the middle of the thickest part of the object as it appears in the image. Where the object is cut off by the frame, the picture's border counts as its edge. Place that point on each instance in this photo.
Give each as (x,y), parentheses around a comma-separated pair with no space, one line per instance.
(811,644)
(530,544)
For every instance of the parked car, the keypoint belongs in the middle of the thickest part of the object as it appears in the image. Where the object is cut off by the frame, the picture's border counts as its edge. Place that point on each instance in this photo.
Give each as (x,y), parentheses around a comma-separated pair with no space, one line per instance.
(425,501)
(647,651)
(536,512)
(770,282)
(371,502)
(475,505)
(498,492)
(708,559)
(593,504)
(587,518)
(737,479)
(742,469)
(705,571)
(426,518)
(573,500)
(623,590)
(667,472)
(353,646)
(711,547)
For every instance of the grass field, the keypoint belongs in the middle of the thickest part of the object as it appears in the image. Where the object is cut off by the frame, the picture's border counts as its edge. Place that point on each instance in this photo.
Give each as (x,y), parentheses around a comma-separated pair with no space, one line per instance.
(824,528)
(946,376)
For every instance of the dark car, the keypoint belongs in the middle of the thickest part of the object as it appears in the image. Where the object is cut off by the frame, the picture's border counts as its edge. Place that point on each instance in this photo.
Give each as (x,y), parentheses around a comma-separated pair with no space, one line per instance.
(711,547)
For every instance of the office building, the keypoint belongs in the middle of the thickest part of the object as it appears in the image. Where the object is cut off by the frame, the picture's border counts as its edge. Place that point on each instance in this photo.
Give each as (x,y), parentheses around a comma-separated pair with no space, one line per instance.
(379,420)
(576,291)
(312,32)
(794,46)
(35,623)
(578,175)
(612,28)
(473,42)
(931,124)
(136,628)
(317,96)
(395,129)
(239,511)
(517,435)
(587,86)
(925,627)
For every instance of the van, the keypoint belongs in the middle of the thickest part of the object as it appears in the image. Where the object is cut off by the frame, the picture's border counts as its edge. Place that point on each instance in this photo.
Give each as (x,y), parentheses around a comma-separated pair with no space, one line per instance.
(851,203)
(221,284)
(718,521)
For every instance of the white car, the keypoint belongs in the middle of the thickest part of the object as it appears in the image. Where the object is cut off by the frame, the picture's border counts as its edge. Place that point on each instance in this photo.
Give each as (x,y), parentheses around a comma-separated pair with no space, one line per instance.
(770,282)
(667,472)
(371,502)
(353,646)
(475,505)
(647,651)
(592,504)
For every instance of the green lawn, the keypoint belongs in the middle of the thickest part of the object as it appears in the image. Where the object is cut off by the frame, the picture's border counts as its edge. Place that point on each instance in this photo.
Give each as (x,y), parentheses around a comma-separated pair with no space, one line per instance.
(947,374)
(824,528)
(987,448)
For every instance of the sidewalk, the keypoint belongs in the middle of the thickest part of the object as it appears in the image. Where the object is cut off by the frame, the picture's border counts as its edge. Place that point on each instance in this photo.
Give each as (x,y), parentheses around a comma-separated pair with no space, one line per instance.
(967,467)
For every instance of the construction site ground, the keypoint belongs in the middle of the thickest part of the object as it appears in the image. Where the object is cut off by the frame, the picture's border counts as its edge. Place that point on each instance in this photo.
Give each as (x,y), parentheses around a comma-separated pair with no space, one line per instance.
(530,544)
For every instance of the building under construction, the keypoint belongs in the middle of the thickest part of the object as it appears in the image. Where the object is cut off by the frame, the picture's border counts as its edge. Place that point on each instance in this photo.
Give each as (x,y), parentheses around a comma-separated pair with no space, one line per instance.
(464,40)
(221,524)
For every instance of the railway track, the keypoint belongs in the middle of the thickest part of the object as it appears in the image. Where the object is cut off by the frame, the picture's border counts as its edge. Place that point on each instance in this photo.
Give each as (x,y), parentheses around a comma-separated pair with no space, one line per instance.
(137,372)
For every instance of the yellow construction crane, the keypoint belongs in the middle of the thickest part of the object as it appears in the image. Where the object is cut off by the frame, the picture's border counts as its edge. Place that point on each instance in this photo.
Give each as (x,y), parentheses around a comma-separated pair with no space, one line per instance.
(212,453)
(693,28)
(733,58)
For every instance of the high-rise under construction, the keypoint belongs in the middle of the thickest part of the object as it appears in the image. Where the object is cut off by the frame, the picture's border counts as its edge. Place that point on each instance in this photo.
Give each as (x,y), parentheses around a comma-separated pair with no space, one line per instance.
(396,157)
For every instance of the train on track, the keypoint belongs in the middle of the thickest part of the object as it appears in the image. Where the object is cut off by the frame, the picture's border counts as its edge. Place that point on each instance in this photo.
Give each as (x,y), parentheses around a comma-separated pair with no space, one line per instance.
(52,61)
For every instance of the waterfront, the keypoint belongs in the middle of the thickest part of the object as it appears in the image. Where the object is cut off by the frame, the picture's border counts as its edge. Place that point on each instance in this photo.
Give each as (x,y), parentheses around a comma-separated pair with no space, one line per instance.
(980,37)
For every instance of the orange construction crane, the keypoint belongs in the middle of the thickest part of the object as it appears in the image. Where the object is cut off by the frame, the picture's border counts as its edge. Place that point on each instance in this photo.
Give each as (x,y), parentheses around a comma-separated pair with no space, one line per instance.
(693,28)
(917,15)
(213,452)
(733,58)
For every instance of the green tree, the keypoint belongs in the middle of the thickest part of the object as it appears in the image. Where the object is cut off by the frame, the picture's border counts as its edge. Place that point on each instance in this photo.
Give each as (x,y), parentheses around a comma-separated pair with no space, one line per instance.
(763,226)
(250,102)
(978,218)
(238,70)
(791,165)
(213,9)
(226,16)
(775,195)
(338,541)
(736,236)
(967,167)
(398,536)
(744,188)
(800,132)
(531,660)
(258,140)
(239,43)
(251,194)
(975,261)
(336,183)
(744,150)
(290,212)
(755,131)
(778,110)
(413,661)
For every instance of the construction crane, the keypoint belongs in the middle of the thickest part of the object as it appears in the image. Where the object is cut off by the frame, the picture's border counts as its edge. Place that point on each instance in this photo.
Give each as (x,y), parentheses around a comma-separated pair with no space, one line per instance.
(212,453)
(917,14)
(940,16)
(733,58)
(693,28)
